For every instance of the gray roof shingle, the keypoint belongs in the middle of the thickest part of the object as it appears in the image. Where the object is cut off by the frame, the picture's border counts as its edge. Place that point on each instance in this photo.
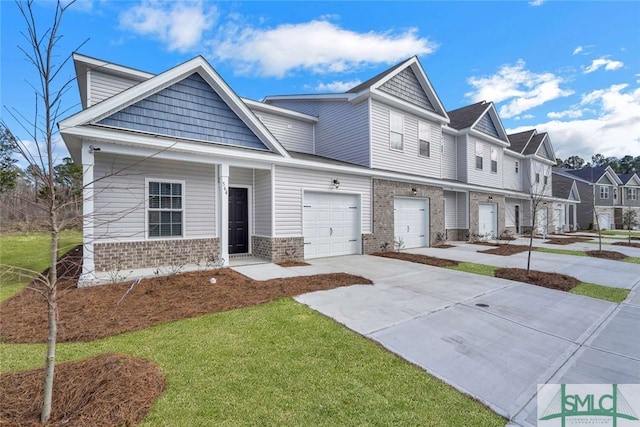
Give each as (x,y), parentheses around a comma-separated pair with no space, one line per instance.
(373,80)
(520,140)
(464,117)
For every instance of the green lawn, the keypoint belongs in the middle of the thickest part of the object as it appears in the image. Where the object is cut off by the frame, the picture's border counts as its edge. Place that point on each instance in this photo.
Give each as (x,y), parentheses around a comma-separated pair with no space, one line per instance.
(561,251)
(30,251)
(621,232)
(471,267)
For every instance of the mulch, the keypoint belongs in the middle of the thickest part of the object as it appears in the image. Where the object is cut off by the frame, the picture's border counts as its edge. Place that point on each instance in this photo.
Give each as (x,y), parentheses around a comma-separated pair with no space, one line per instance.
(557,281)
(293,264)
(107,390)
(87,314)
(506,250)
(607,255)
(567,240)
(631,245)
(420,259)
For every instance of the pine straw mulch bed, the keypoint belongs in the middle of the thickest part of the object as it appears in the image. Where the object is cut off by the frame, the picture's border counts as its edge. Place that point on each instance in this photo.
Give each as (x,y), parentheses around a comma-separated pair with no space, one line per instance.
(107,390)
(557,281)
(88,314)
(293,264)
(506,250)
(607,255)
(631,245)
(567,240)
(420,259)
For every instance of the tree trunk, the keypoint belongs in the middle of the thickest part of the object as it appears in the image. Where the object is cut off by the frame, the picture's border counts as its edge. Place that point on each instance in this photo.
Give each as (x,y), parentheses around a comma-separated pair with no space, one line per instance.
(52,317)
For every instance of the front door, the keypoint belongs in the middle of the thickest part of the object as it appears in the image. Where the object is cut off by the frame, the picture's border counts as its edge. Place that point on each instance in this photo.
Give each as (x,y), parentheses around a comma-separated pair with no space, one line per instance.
(238,221)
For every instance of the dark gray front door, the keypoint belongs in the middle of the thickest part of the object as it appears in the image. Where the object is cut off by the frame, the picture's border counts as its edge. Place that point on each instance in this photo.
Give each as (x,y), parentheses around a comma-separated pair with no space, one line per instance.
(238,221)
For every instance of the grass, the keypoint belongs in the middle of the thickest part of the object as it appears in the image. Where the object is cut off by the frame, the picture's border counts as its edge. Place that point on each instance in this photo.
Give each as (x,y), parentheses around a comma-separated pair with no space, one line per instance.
(606,293)
(620,232)
(29,251)
(561,251)
(279,363)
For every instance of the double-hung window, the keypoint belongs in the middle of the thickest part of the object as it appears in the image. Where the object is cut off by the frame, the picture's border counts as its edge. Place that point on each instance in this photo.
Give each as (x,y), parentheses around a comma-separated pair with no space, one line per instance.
(537,178)
(604,192)
(479,150)
(396,131)
(423,139)
(632,193)
(546,179)
(494,160)
(165,208)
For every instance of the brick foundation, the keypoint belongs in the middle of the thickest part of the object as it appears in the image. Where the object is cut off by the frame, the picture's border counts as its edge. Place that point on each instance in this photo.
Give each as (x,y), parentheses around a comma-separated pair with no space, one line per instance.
(384,192)
(278,249)
(154,253)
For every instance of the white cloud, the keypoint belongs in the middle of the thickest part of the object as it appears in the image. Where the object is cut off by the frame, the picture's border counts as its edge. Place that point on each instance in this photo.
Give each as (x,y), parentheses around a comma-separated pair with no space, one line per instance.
(536,2)
(180,25)
(337,86)
(317,46)
(567,114)
(608,64)
(614,131)
(578,50)
(522,89)
(524,117)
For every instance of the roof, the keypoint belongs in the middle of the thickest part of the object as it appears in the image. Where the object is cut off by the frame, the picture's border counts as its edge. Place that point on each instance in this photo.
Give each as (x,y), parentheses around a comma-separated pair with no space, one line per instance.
(567,174)
(589,174)
(562,187)
(534,144)
(465,117)
(520,140)
(625,177)
(375,79)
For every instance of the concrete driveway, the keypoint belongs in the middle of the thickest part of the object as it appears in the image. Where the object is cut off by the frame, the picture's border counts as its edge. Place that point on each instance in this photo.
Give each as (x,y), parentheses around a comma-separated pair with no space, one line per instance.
(491,338)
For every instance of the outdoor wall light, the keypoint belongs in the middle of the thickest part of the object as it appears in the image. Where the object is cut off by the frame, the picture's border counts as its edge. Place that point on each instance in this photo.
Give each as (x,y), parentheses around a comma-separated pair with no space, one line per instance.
(414,190)
(93,148)
(336,183)
(490,197)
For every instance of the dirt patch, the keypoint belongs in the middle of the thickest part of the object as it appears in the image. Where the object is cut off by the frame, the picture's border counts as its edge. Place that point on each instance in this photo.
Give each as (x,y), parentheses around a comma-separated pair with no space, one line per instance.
(607,255)
(567,240)
(506,250)
(293,264)
(631,245)
(443,246)
(420,259)
(88,314)
(107,390)
(540,278)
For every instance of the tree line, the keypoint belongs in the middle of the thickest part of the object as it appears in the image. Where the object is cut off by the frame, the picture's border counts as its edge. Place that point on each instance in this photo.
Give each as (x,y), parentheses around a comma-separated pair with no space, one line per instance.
(623,165)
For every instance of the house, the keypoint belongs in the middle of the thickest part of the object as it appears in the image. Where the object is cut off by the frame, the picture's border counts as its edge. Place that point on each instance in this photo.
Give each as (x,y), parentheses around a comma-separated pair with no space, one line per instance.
(610,195)
(565,186)
(179,169)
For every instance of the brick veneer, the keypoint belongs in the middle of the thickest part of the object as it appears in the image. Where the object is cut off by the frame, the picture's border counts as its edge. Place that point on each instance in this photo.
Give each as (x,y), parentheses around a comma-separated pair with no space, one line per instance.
(474,220)
(384,192)
(154,253)
(278,249)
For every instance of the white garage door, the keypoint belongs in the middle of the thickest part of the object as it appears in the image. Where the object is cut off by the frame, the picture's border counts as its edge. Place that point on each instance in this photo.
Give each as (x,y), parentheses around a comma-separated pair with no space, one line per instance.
(604,221)
(410,222)
(487,220)
(331,224)
(557,219)
(542,220)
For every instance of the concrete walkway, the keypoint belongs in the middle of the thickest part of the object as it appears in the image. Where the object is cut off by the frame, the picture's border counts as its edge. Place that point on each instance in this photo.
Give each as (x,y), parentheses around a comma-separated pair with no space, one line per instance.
(493,339)
(604,272)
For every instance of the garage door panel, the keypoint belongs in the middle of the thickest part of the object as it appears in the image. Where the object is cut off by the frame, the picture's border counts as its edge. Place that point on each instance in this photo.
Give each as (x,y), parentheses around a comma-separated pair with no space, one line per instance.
(331,224)
(487,220)
(410,223)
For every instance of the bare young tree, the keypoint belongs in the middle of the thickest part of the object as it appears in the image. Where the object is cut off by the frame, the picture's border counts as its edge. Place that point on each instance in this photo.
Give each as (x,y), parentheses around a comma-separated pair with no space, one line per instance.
(539,194)
(40,51)
(630,220)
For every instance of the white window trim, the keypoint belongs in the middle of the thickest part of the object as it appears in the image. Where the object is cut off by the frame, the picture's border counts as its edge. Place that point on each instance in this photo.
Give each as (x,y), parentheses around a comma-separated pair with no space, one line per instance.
(632,194)
(537,177)
(492,152)
(183,210)
(391,114)
(420,140)
(604,189)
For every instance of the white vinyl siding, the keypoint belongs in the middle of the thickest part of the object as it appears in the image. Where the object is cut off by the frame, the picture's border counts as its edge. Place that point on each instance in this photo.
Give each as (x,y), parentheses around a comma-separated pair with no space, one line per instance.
(120,190)
(290,183)
(240,177)
(262,203)
(396,131)
(512,179)
(408,161)
(342,132)
(449,158)
(103,85)
(455,210)
(294,135)
(536,176)
(484,176)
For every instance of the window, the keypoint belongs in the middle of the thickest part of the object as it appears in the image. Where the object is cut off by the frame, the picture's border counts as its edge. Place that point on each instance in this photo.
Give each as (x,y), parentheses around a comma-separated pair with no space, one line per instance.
(537,178)
(546,180)
(604,192)
(396,131)
(479,149)
(164,213)
(423,139)
(632,193)
(494,160)
(517,166)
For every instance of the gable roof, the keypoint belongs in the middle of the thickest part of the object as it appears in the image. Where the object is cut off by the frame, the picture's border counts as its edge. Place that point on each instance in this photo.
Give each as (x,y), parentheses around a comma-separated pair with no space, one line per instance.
(594,175)
(465,117)
(153,85)
(375,79)
(626,178)
(482,117)
(565,187)
(520,140)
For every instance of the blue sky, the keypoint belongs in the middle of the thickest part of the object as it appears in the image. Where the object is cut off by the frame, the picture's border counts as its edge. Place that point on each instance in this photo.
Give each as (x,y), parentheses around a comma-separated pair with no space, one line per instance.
(568,68)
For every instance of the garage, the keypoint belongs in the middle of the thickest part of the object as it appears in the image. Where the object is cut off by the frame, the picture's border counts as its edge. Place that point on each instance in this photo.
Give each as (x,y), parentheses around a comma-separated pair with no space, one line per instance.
(411,222)
(542,220)
(487,220)
(558,221)
(331,224)
(604,221)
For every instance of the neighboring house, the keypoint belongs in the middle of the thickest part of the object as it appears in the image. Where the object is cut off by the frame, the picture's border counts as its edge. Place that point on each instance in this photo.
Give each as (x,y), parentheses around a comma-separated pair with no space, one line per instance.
(179,169)
(605,201)
(565,186)
(630,197)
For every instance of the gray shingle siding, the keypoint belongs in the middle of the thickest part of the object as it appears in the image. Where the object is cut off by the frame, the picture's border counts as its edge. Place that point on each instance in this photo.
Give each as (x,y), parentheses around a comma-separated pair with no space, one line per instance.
(187,109)
(406,86)
(486,125)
